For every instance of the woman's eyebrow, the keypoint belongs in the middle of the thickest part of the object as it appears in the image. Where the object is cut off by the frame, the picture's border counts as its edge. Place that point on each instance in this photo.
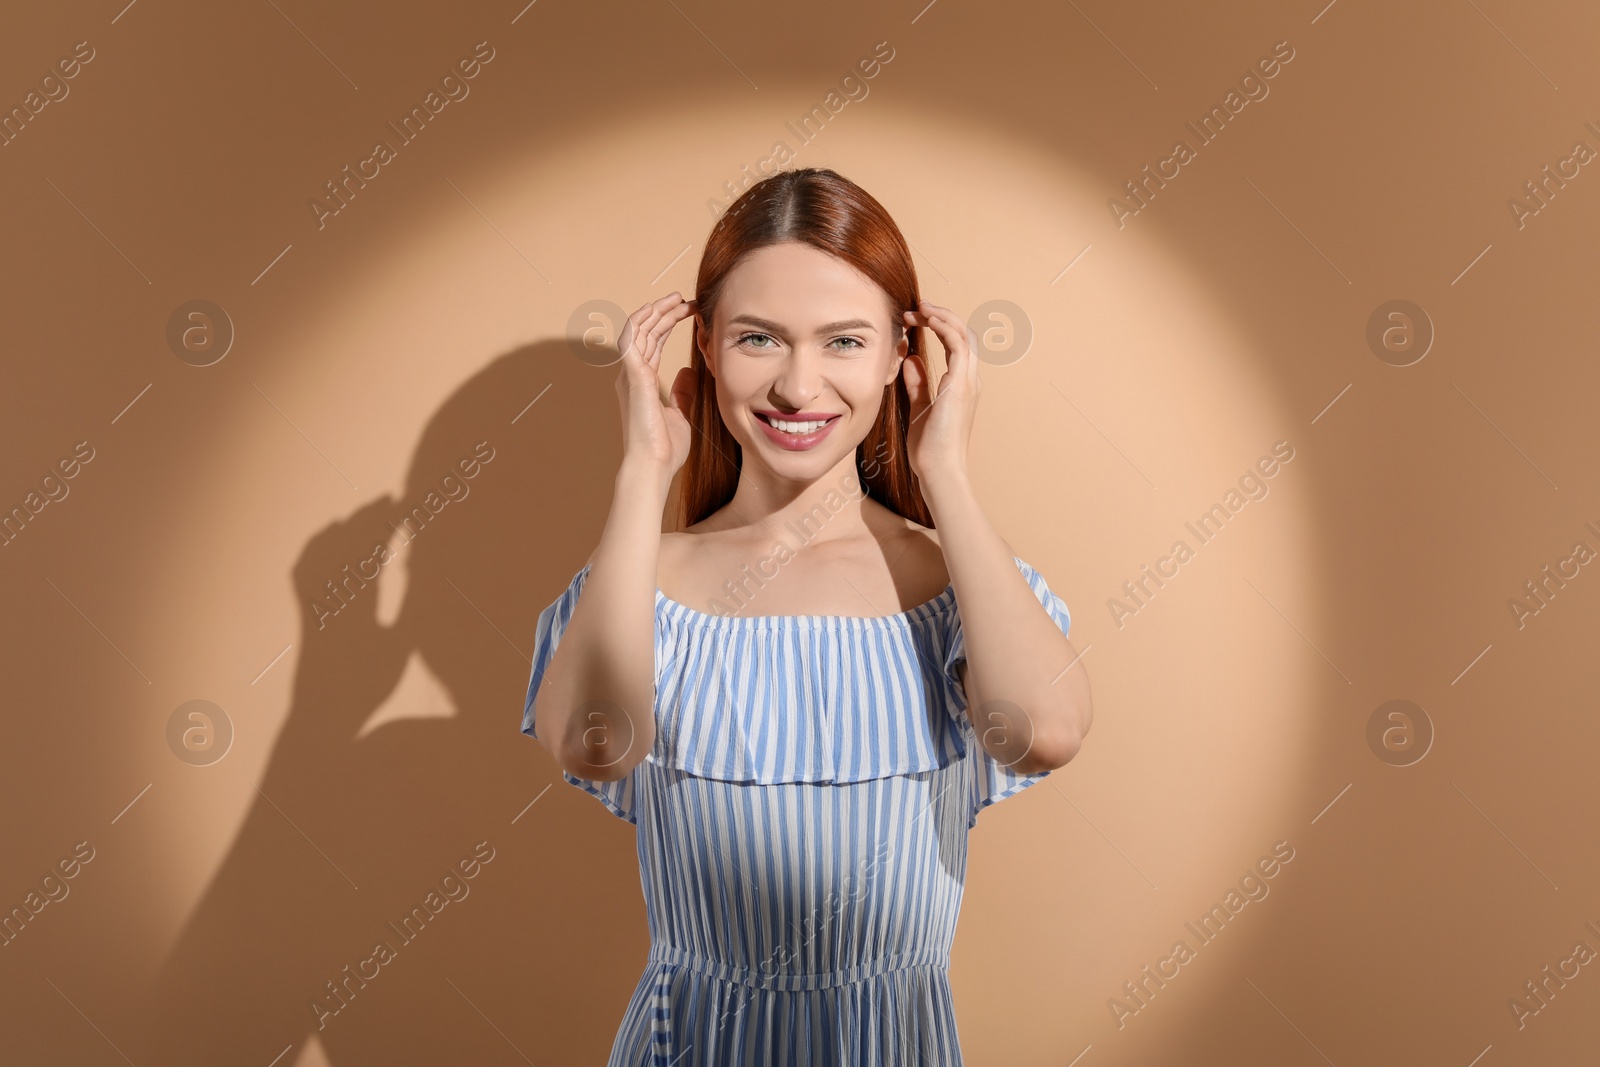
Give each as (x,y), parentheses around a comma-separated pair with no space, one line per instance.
(827,327)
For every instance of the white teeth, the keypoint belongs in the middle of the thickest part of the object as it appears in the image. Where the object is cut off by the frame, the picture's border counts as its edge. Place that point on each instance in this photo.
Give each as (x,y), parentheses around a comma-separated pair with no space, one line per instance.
(796,427)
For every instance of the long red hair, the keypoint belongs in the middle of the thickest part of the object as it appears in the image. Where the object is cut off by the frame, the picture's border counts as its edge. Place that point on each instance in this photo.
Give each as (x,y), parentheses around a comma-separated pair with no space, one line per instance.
(829,212)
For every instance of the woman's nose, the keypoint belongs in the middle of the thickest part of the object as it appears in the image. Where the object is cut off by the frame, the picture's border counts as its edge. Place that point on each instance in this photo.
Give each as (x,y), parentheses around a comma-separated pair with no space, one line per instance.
(800,380)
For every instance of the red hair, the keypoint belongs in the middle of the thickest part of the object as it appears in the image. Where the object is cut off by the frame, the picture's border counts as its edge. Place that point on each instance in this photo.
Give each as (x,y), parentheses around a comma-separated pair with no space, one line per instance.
(829,212)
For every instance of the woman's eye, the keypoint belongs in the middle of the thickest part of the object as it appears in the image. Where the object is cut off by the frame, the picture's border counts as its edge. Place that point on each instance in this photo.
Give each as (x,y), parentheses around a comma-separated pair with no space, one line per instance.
(751,338)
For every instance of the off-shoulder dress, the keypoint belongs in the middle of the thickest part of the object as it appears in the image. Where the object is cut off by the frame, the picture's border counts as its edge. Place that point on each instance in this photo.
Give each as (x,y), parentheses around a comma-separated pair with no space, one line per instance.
(802,825)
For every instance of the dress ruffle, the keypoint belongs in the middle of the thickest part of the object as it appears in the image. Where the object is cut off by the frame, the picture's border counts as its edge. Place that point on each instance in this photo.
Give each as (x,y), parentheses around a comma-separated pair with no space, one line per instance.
(993,781)
(808,698)
(620,796)
(801,698)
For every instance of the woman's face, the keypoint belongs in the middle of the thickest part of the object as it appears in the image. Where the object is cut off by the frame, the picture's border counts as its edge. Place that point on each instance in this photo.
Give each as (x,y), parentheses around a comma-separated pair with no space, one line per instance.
(800,337)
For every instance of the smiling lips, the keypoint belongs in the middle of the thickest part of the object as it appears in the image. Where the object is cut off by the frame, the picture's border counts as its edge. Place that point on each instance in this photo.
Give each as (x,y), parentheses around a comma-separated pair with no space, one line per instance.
(797,431)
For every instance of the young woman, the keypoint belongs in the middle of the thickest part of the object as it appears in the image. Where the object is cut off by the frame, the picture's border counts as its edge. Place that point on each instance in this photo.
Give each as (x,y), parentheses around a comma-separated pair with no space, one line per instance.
(869,665)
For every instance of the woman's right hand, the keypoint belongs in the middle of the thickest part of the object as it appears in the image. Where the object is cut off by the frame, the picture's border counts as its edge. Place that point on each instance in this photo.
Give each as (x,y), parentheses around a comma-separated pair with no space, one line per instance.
(655,430)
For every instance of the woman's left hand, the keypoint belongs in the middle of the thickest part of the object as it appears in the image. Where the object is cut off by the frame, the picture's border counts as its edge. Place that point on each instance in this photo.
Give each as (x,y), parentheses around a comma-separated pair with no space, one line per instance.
(941,420)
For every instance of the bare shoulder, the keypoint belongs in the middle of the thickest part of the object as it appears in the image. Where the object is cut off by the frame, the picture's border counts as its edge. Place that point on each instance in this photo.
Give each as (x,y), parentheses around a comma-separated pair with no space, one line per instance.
(925,543)
(916,550)
(672,544)
(933,535)
(677,556)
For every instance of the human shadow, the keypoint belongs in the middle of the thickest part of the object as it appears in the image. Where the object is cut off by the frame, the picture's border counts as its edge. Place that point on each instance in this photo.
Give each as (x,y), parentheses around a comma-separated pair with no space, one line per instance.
(353,825)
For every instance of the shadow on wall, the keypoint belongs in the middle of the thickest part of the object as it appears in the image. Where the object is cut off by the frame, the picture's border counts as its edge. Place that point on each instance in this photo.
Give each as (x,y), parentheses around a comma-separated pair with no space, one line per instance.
(379,896)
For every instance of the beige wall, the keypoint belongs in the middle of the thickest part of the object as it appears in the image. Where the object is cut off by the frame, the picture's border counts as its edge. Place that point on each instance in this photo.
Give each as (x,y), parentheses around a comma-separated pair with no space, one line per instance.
(1170,352)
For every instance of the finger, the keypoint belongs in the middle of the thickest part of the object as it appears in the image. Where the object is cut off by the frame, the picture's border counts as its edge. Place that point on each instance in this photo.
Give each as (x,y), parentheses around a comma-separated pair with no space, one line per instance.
(939,320)
(651,312)
(647,322)
(925,317)
(960,342)
(661,306)
(627,339)
(662,328)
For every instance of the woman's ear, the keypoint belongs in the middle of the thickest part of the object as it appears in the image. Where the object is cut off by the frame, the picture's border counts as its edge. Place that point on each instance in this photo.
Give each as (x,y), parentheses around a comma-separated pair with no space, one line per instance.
(901,348)
(702,340)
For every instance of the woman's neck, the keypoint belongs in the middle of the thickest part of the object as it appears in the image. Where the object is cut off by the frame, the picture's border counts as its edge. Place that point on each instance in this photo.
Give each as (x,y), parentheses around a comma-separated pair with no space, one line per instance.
(834,507)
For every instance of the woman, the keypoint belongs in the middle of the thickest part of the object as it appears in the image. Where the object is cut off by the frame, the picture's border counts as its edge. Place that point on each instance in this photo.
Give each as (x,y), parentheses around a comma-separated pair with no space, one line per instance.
(803,757)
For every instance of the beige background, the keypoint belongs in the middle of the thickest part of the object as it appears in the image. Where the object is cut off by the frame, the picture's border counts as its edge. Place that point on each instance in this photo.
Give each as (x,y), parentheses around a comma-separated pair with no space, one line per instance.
(1168,356)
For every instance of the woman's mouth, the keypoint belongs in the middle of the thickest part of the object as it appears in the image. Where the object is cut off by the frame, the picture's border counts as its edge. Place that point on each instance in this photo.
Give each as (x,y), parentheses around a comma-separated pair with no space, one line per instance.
(796,434)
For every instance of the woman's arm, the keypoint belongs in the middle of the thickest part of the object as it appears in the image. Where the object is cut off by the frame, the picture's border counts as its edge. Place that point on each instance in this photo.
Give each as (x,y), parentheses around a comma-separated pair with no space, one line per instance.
(1027,694)
(1019,664)
(596,705)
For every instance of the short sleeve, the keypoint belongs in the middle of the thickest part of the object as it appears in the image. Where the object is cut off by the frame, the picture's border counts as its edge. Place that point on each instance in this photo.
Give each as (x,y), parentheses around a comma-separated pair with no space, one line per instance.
(991,780)
(618,796)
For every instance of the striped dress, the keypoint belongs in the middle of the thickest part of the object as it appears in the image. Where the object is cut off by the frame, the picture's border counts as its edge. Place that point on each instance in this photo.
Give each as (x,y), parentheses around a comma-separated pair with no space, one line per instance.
(802,829)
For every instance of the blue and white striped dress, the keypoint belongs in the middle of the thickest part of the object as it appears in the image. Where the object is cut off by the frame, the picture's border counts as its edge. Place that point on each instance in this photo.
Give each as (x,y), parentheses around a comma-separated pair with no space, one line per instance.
(802,833)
